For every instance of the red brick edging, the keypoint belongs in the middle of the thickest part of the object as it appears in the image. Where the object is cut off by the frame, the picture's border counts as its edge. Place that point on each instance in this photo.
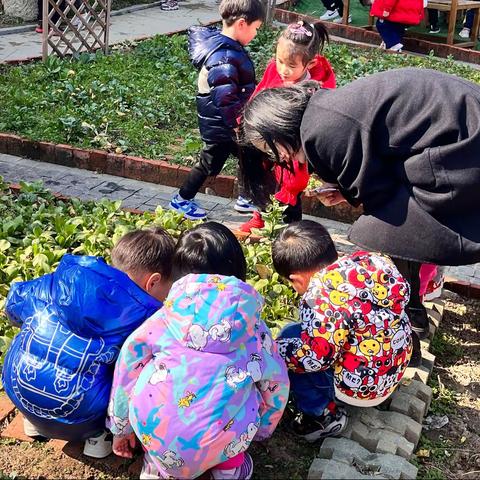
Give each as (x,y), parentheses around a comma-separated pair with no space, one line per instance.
(138,168)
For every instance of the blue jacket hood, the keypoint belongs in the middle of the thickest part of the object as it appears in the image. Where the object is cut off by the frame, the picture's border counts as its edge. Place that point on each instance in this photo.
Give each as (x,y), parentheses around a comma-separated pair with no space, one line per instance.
(203,41)
(86,295)
(73,324)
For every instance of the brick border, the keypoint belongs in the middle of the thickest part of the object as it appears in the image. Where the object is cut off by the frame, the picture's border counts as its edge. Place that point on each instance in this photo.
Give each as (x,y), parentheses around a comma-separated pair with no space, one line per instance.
(363,35)
(139,168)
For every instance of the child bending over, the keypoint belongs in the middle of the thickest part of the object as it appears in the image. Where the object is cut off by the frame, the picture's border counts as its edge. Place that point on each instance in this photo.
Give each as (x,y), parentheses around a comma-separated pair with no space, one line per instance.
(202,378)
(353,342)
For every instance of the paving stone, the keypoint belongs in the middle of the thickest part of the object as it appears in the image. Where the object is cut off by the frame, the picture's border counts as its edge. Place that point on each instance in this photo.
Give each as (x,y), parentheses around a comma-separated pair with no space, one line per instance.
(378,440)
(421,373)
(386,420)
(15,430)
(416,389)
(409,405)
(434,317)
(437,304)
(341,458)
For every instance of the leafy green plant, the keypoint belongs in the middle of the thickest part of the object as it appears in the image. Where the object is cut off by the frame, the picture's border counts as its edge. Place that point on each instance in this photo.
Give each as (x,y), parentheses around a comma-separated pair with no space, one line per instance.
(141,99)
(37,229)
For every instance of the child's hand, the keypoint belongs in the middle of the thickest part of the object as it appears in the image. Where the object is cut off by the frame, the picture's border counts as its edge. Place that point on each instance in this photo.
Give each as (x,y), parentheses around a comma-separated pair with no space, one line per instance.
(123,445)
(330,198)
(385,13)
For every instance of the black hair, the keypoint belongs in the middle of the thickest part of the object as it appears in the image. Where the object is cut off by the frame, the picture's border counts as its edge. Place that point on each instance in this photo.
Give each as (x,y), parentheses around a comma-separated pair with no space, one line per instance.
(250,10)
(306,39)
(303,246)
(209,248)
(272,117)
(148,250)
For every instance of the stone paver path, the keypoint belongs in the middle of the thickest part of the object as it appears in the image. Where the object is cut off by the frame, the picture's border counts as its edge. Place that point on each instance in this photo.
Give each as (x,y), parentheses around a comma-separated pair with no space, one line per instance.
(89,185)
(132,25)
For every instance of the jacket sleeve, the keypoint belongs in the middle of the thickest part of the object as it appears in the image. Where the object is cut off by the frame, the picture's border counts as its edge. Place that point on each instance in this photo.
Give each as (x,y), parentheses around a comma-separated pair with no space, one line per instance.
(134,355)
(267,80)
(223,80)
(329,80)
(274,385)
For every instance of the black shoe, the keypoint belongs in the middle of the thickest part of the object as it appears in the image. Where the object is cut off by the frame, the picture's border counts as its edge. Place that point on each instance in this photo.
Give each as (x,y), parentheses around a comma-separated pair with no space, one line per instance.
(314,428)
(419,321)
(416,358)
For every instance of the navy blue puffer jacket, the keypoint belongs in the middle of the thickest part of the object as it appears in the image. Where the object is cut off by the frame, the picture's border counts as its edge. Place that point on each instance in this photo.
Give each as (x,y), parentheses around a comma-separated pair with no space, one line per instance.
(59,368)
(231,80)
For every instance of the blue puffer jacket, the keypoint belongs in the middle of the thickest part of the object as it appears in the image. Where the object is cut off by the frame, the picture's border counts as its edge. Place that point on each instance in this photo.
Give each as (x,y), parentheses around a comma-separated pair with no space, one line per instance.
(73,324)
(231,78)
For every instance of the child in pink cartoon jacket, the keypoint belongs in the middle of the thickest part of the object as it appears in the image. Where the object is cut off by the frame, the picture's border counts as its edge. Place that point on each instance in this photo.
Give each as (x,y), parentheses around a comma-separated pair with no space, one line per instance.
(202,378)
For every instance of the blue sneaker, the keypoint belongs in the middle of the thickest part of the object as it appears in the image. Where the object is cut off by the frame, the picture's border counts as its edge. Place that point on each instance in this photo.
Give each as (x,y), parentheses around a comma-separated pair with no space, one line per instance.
(243,205)
(189,208)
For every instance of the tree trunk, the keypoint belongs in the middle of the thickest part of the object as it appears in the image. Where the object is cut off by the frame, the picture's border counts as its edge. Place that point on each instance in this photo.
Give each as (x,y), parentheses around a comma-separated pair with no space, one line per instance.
(26,9)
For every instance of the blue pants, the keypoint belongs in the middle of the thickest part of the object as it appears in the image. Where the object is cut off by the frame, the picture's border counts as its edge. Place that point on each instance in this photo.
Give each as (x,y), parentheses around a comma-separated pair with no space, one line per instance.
(391,32)
(311,392)
(469,19)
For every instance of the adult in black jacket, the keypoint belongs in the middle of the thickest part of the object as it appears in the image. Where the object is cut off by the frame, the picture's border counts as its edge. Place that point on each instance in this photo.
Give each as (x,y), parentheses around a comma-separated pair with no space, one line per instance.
(404,143)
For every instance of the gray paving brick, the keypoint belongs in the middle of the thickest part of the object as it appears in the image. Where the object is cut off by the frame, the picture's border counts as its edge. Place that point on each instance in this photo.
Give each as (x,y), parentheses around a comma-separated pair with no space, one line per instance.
(386,420)
(378,440)
(437,304)
(409,405)
(341,458)
(421,373)
(416,389)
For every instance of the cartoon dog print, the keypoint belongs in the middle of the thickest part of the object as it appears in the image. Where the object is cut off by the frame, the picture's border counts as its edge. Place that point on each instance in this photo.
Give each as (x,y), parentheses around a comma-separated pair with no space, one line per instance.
(170,459)
(199,336)
(240,445)
(160,374)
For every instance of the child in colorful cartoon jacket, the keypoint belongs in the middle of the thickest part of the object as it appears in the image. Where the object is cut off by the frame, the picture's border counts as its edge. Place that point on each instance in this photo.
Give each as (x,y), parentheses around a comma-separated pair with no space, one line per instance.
(297,59)
(353,341)
(202,378)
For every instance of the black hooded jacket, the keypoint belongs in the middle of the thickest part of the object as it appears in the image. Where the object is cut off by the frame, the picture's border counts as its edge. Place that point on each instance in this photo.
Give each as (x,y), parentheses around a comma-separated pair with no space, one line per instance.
(406,144)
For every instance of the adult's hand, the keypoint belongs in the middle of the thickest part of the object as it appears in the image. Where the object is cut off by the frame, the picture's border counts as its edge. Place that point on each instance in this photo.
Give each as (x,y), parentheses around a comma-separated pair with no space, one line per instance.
(123,445)
(331,198)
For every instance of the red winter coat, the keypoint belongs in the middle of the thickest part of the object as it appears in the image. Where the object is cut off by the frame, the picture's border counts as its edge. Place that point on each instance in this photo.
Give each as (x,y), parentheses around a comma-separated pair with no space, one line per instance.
(293,183)
(409,12)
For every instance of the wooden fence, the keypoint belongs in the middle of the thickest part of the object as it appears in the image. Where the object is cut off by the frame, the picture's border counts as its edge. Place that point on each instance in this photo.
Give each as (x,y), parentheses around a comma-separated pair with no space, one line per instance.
(74,26)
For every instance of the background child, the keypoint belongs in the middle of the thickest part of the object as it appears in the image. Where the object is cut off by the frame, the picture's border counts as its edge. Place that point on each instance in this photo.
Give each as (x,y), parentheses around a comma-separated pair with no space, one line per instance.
(59,369)
(225,83)
(393,17)
(353,341)
(297,59)
(202,378)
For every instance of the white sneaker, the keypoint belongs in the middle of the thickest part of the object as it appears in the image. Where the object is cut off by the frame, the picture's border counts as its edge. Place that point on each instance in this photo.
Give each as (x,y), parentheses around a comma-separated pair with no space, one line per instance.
(396,48)
(244,205)
(383,46)
(99,446)
(464,33)
(330,15)
(340,19)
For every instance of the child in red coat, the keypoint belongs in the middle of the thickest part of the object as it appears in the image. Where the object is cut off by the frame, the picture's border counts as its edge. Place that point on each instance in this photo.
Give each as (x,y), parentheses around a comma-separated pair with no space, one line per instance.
(297,59)
(393,17)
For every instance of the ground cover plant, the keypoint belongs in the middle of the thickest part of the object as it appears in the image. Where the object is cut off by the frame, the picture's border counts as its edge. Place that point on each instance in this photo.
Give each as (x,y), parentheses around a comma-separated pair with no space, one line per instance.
(140,100)
(37,229)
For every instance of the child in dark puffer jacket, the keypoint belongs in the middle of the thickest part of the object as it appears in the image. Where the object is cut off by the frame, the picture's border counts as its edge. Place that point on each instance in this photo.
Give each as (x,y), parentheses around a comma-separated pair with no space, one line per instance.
(225,83)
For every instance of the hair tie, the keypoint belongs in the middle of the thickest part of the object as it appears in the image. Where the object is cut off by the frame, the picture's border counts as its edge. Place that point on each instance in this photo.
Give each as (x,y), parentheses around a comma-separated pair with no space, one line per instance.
(299,28)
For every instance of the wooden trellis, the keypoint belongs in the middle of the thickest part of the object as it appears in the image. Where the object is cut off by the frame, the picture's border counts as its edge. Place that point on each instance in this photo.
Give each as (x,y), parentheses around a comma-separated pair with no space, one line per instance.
(74,26)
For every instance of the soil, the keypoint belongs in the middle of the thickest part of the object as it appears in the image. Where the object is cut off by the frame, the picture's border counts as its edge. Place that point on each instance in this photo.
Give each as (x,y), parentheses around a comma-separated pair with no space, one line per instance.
(450,452)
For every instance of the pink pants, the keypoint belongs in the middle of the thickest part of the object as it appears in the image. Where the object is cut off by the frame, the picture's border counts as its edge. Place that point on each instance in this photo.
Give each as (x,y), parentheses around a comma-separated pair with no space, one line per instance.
(233,462)
(427,273)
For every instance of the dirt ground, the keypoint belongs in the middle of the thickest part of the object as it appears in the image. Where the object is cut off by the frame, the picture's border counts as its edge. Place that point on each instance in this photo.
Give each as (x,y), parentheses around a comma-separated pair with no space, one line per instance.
(451,452)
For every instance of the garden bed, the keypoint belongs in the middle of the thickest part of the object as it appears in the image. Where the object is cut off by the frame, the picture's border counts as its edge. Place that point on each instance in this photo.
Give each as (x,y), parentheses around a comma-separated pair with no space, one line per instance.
(109,113)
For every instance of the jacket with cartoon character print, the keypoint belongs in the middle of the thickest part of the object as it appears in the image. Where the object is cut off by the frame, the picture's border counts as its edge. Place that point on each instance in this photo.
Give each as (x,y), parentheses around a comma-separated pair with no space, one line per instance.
(202,378)
(353,320)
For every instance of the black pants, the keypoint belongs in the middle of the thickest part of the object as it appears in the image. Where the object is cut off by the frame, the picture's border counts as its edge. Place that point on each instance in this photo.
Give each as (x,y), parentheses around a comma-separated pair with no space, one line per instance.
(433,18)
(293,213)
(411,272)
(55,15)
(212,159)
(334,5)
